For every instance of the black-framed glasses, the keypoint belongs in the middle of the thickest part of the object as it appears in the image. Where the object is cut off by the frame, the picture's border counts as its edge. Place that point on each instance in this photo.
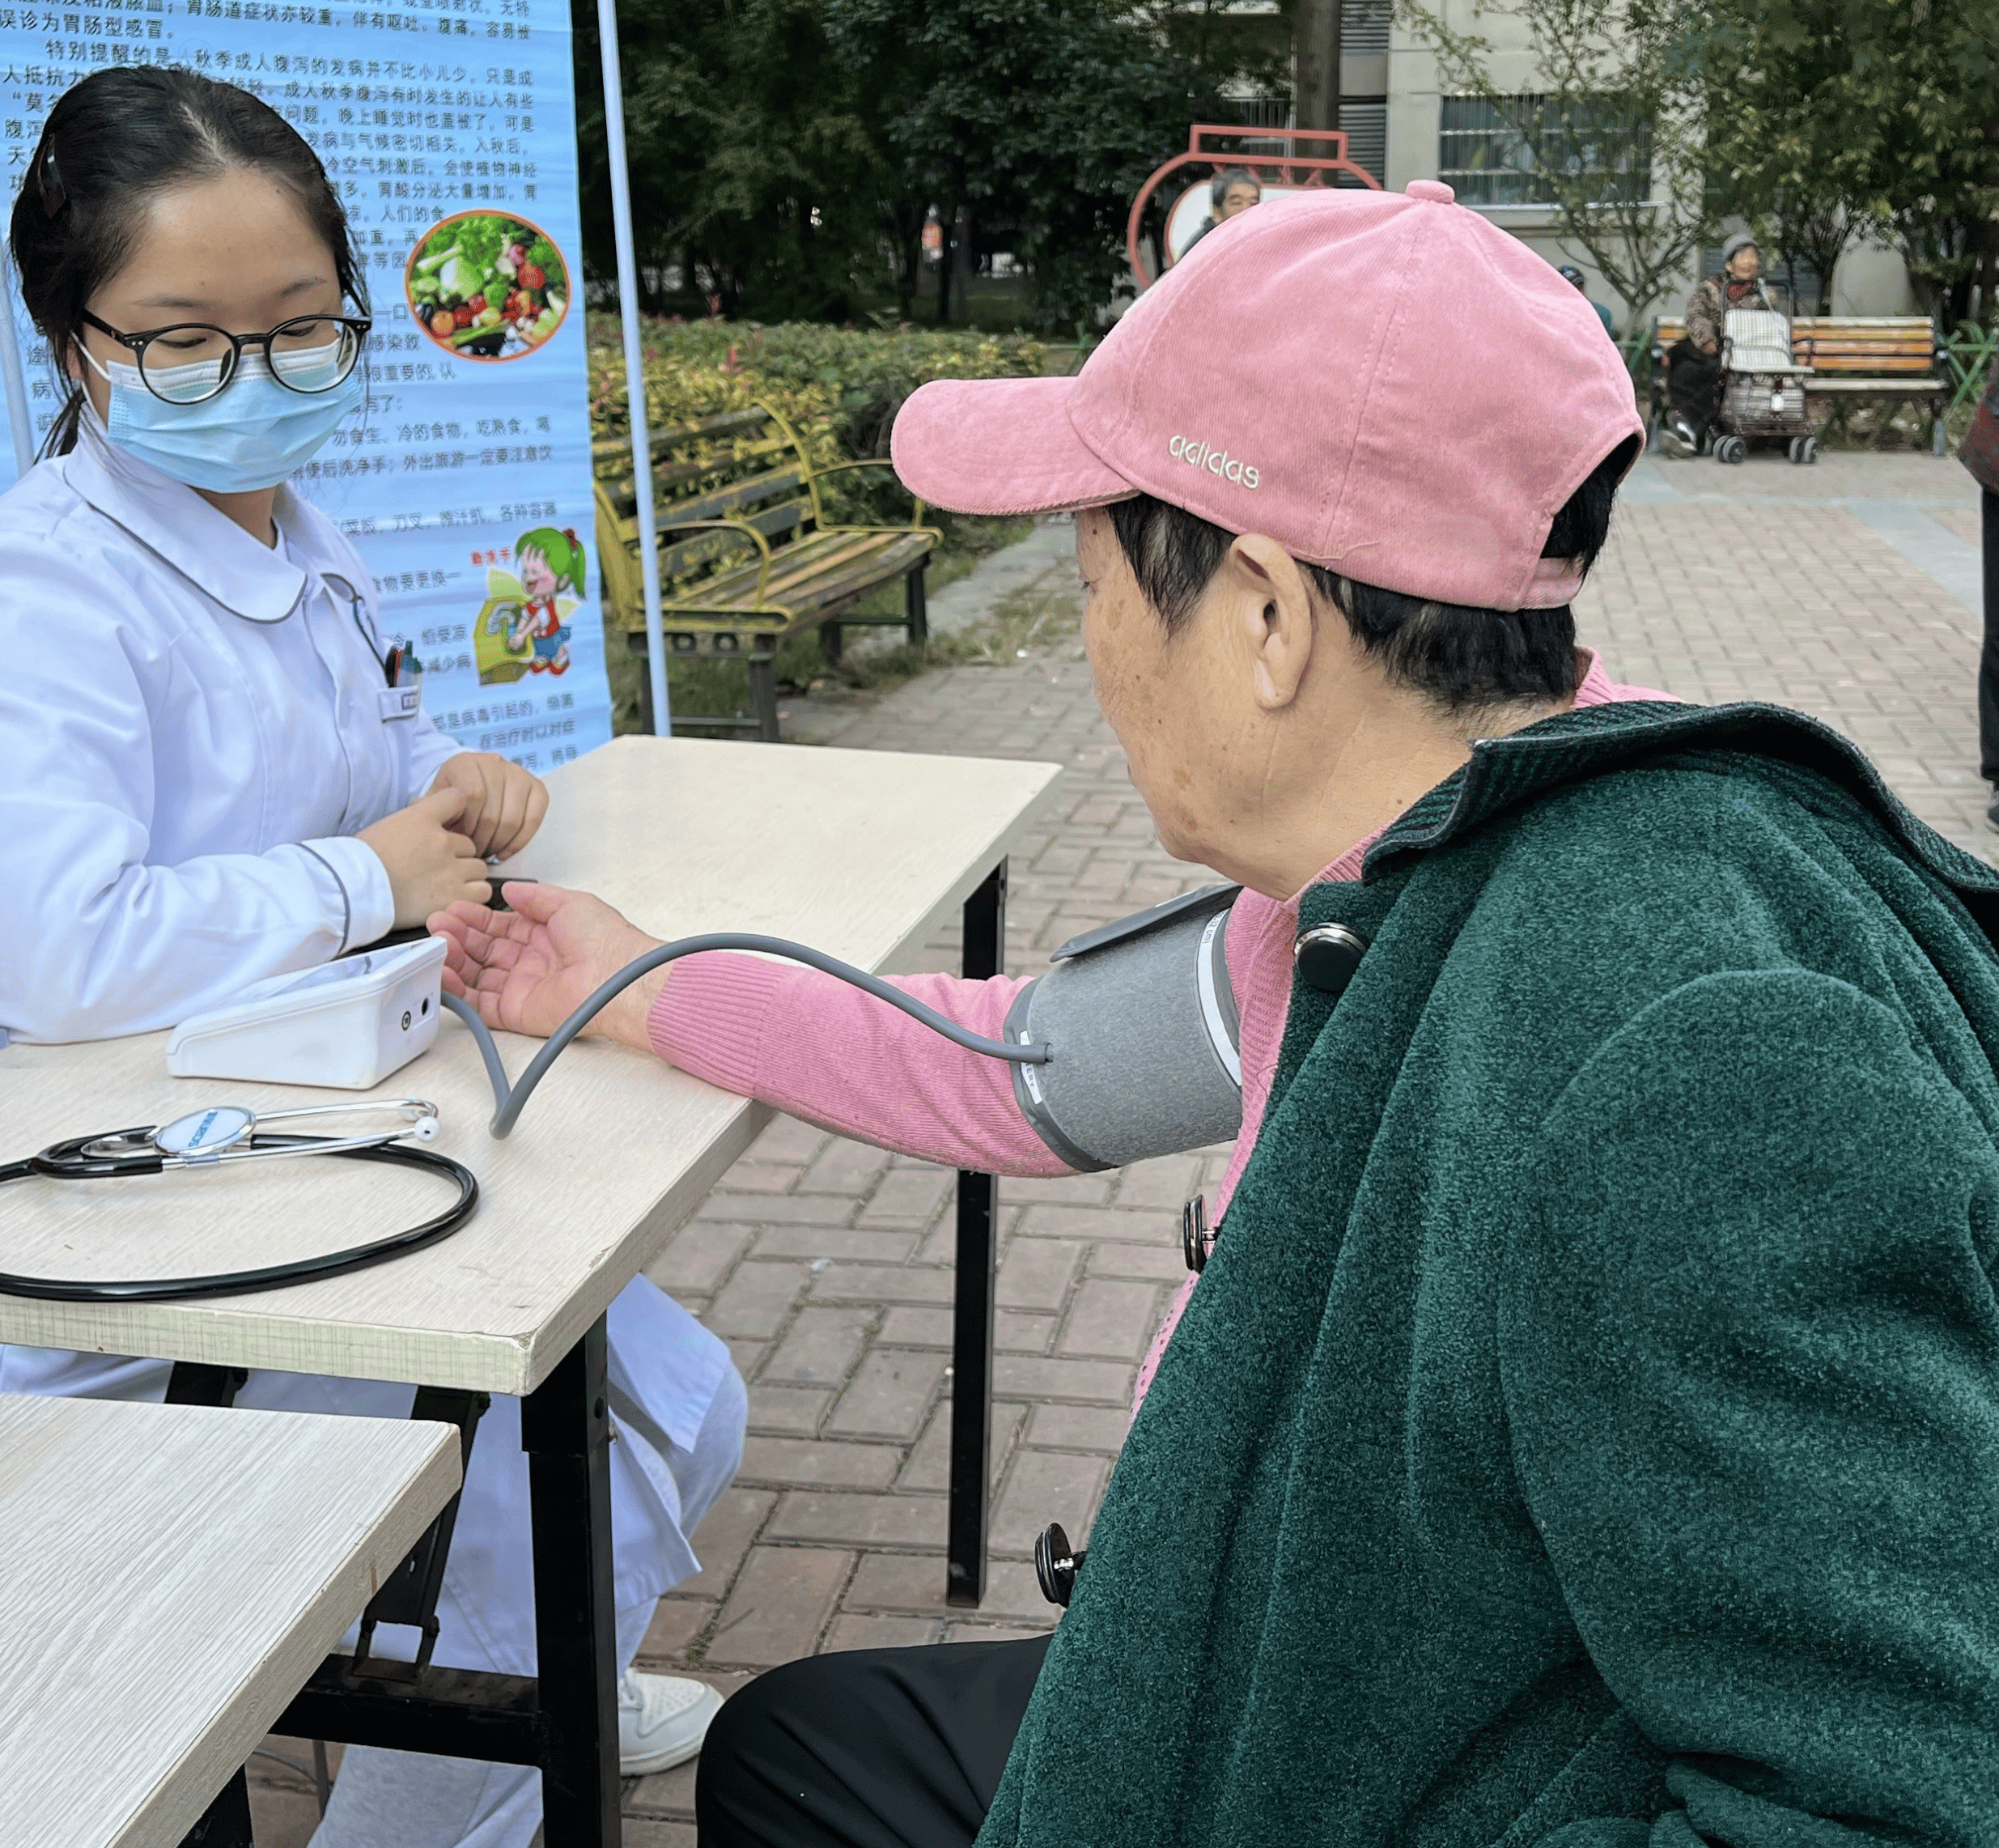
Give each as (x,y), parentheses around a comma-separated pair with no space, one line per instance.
(191,362)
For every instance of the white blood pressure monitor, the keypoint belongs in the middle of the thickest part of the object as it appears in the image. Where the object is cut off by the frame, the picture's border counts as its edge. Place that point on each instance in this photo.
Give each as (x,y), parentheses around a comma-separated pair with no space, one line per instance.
(346,1025)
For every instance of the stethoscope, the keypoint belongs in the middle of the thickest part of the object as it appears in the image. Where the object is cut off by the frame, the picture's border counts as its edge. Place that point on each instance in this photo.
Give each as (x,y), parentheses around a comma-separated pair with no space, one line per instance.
(224,1135)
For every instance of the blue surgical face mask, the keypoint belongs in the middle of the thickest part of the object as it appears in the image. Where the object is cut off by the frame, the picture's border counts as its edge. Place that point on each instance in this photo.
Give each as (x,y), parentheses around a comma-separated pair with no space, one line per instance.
(252,435)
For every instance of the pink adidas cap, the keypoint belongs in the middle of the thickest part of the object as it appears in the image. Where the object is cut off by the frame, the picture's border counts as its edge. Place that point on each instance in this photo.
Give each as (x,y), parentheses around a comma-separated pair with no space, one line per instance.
(1385,383)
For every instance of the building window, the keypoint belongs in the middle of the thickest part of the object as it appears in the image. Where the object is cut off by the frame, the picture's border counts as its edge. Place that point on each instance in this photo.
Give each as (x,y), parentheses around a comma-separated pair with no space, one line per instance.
(1363,26)
(1485,158)
(1366,125)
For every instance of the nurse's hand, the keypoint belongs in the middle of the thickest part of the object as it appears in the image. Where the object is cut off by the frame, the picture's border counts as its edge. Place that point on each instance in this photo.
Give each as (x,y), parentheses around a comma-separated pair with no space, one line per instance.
(431,862)
(527,970)
(504,804)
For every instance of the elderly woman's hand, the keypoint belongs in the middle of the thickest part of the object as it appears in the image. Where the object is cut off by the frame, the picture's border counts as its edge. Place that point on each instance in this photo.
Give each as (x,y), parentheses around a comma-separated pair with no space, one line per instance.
(528,970)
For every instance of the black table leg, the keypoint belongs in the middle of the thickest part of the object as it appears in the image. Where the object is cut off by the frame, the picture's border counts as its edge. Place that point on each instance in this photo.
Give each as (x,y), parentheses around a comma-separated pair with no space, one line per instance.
(195,1382)
(226,1823)
(972,1316)
(565,1429)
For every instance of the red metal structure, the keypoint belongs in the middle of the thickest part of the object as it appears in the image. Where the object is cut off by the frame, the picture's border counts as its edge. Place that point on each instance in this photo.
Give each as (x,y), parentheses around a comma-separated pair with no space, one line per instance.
(1289,171)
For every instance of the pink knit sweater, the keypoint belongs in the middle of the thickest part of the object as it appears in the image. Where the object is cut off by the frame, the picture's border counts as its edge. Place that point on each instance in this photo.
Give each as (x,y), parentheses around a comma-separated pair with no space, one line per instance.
(822,1050)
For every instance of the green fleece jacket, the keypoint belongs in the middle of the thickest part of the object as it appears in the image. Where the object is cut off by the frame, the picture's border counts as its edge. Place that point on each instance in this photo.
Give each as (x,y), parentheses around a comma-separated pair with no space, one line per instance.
(1586,1433)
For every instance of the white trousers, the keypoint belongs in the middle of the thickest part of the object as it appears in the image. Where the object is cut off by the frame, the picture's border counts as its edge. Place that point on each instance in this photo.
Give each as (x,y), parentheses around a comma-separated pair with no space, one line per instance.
(403,1800)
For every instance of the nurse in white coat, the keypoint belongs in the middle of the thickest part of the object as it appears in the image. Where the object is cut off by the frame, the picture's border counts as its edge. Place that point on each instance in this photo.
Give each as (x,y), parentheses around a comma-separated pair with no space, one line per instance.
(209,780)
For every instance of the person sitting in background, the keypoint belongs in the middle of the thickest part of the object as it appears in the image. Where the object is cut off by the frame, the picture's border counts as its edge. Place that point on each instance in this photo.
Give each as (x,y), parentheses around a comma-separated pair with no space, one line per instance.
(1693,384)
(1574,276)
(1234,189)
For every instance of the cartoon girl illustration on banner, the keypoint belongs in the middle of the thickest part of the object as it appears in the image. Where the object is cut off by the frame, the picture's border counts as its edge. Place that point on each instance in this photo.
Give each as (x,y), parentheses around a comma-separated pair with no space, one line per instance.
(551,562)
(524,626)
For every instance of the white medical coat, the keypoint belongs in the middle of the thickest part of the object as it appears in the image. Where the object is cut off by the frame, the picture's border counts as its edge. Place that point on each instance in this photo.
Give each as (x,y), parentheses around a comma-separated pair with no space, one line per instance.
(195,725)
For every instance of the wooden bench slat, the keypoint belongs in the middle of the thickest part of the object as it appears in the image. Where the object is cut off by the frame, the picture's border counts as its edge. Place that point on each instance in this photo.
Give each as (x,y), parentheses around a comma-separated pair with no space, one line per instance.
(1808,343)
(678,558)
(625,497)
(1892,386)
(719,424)
(802,564)
(794,566)
(1914,367)
(722,600)
(720,502)
(720,589)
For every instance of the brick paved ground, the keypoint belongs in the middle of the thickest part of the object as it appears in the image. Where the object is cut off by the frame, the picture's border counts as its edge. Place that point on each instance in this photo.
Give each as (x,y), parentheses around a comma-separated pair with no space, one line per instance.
(826,1264)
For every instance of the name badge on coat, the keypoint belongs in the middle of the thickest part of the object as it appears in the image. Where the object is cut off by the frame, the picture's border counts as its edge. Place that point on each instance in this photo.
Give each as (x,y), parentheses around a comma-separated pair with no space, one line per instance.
(400,702)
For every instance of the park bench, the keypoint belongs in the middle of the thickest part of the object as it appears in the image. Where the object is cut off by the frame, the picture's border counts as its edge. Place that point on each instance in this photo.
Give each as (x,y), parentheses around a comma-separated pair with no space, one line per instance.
(747,554)
(1854,358)
(1888,359)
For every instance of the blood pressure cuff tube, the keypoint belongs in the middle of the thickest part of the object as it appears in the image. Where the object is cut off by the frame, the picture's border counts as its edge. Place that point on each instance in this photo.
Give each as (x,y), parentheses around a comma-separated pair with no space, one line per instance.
(1141,1021)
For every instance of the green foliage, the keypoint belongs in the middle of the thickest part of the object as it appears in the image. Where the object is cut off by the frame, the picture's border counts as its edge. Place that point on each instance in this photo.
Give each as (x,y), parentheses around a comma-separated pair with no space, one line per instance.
(839,388)
(750,159)
(785,153)
(1044,114)
(1779,153)
(1832,118)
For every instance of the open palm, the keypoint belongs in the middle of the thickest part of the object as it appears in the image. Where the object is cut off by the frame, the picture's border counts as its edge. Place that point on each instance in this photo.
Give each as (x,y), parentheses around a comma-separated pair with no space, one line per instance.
(528,970)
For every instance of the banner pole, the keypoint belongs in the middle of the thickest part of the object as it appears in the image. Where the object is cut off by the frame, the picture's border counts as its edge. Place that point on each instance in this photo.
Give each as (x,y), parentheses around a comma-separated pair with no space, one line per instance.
(634,361)
(15,383)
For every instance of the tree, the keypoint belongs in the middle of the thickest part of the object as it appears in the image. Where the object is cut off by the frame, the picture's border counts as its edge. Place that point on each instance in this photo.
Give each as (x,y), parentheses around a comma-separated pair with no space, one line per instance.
(1828,118)
(753,169)
(1778,153)
(1922,98)
(1612,136)
(1044,114)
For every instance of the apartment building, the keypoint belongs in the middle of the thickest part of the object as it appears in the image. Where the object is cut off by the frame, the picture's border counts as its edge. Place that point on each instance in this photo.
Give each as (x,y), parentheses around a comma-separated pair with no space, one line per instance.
(1402,124)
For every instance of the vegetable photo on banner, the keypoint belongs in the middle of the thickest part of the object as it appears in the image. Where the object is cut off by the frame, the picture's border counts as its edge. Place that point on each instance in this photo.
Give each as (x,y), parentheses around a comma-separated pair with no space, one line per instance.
(488,286)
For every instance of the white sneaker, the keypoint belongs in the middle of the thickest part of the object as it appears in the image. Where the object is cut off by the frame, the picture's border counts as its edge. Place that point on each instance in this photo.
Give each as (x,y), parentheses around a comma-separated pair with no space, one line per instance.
(661,1721)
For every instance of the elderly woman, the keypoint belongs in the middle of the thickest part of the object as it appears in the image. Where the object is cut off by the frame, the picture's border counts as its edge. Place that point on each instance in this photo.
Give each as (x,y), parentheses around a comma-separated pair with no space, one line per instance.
(1693,381)
(1586,1429)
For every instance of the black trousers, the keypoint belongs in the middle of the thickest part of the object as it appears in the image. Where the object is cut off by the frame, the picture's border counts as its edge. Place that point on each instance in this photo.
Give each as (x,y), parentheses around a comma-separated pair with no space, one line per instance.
(1693,383)
(869,1749)
(1989,655)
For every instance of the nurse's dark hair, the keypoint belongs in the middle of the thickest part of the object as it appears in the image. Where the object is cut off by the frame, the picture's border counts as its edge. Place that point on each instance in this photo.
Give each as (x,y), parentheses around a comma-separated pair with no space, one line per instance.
(1462,660)
(111,144)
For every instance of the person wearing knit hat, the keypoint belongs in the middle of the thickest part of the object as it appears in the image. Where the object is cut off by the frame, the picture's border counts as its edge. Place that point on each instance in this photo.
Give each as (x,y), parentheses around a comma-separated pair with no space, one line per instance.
(1584,1432)
(1694,363)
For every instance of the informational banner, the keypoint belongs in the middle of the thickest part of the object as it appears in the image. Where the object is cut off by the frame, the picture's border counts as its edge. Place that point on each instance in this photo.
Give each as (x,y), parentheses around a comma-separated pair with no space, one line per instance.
(449,128)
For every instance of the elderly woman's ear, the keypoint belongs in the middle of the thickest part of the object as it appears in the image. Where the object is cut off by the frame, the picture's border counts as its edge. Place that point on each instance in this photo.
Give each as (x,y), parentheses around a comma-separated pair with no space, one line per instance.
(1267,605)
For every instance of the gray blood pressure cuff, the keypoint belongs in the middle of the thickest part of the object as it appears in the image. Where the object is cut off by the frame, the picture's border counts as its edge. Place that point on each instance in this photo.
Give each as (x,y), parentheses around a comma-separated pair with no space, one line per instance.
(1142,1023)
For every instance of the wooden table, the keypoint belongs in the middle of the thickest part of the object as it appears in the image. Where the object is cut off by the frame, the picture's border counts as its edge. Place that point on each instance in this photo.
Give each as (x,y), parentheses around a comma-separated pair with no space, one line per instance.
(863,854)
(169,1577)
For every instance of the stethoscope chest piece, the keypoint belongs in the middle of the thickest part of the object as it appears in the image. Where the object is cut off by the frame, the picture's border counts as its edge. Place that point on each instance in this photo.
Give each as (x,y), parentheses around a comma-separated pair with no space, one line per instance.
(205,1131)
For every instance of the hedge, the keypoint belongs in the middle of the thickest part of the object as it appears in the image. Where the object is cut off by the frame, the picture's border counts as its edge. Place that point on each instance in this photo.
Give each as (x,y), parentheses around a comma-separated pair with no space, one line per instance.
(839,387)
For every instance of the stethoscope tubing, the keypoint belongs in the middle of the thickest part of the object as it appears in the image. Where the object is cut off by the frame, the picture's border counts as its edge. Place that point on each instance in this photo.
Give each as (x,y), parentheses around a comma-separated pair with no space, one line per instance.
(74,1160)
(269,1276)
(509,1099)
